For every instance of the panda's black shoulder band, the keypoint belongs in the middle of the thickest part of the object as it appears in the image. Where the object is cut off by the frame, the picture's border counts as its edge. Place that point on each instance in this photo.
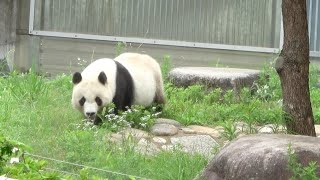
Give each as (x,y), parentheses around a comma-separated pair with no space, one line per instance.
(124,87)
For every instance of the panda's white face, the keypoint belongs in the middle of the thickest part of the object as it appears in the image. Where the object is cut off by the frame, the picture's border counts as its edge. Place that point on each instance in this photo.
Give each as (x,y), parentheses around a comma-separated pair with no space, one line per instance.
(90,95)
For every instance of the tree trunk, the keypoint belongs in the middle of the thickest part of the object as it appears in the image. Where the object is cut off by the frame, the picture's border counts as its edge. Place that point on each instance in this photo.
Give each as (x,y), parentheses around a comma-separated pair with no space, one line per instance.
(293,69)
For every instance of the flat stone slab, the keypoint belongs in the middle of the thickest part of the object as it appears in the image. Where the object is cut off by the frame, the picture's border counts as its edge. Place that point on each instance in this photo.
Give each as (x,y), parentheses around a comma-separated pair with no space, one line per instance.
(224,78)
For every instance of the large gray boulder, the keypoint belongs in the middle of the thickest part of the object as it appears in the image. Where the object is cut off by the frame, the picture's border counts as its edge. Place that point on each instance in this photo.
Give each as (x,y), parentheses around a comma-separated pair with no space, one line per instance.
(224,78)
(261,157)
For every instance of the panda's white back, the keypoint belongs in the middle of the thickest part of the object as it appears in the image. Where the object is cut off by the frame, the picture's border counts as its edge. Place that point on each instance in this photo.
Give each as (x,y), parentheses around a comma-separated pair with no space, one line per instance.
(143,70)
(107,65)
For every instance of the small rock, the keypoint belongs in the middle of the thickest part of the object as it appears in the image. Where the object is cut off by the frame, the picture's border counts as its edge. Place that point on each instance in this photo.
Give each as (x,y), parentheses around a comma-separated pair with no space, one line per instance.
(164,130)
(205,130)
(241,126)
(202,144)
(266,130)
(188,131)
(219,128)
(136,133)
(159,140)
(5,178)
(167,121)
(272,128)
(317,128)
(146,147)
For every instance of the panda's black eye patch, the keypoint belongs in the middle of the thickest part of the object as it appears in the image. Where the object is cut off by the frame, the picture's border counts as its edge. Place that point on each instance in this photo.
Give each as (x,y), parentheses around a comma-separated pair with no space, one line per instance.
(98,101)
(82,101)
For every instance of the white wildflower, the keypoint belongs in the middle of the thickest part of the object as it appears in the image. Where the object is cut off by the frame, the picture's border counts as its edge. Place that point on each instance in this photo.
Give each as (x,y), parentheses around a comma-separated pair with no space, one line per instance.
(14,160)
(14,150)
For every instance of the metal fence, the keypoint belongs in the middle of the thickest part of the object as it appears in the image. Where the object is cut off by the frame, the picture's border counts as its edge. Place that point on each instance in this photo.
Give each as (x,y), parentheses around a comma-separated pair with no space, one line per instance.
(204,23)
(314,26)
(248,25)
(7,26)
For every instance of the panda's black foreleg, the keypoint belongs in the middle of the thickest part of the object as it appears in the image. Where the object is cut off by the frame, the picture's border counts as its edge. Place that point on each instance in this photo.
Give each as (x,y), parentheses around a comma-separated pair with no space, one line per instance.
(97,121)
(119,107)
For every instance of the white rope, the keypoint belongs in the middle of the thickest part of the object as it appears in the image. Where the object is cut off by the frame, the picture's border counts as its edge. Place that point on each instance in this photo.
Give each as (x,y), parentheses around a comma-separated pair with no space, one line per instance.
(84,166)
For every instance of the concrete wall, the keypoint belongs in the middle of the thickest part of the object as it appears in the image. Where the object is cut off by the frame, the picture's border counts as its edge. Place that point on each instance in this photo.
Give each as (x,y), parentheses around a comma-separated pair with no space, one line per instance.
(26,46)
(59,55)
(8,11)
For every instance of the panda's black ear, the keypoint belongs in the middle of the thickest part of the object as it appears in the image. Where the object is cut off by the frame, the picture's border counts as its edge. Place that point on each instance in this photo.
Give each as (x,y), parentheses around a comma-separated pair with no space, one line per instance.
(102,78)
(76,78)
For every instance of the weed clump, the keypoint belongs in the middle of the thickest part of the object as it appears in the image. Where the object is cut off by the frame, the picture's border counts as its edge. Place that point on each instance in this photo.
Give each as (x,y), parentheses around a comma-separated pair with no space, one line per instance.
(136,116)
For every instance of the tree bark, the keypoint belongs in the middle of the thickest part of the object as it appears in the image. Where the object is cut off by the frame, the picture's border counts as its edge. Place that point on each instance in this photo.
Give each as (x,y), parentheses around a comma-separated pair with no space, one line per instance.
(293,69)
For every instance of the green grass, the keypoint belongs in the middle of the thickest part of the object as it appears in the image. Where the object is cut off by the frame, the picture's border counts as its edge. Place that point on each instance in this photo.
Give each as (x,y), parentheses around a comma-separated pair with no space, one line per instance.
(37,112)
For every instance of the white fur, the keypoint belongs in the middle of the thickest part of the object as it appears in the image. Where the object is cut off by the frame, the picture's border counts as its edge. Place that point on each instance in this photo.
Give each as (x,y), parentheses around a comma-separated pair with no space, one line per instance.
(89,87)
(144,70)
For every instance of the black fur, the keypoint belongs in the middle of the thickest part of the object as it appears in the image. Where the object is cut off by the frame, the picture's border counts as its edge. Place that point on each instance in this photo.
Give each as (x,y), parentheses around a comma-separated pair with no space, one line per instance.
(76,78)
(124,90)
(98,101)
(82,101)
(102,78)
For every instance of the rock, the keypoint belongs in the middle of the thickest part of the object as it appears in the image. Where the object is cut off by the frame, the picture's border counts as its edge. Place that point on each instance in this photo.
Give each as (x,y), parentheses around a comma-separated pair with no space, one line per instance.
(317,128)
(224,78)
(266,130)
(3,177)
(146,147)
(261,156)
(188,131)
(167,121)
(272,128)
(205,130)
(127,133)
(167,147)
(164,130)
(202,144)
(136,133)
(159,140)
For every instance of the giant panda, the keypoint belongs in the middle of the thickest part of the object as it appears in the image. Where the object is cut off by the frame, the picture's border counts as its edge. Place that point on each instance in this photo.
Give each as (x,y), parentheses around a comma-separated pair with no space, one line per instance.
(129,79)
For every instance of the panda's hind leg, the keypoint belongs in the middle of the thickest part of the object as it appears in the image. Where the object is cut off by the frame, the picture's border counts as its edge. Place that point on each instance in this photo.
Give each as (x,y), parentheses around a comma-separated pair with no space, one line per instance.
(159,97)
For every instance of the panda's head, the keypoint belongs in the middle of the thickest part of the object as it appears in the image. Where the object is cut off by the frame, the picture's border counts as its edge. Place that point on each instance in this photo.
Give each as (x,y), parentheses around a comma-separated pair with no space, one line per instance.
(90,94)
